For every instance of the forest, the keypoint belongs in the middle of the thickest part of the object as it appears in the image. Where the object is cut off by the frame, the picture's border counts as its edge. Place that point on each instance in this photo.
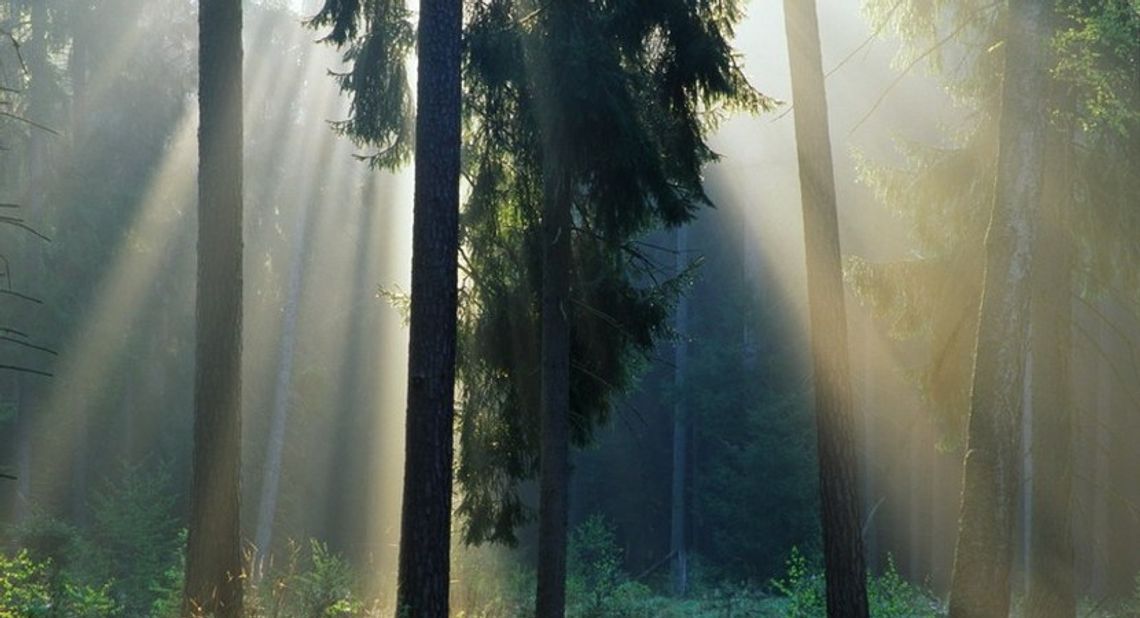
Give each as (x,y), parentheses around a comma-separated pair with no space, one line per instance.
(586,308)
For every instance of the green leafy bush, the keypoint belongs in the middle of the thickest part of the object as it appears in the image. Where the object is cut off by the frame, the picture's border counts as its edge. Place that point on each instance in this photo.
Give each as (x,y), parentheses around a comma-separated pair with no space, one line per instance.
(136,535)
(326,589)
(593,566)
(24,590)
(30,588)
(803,588)
(889,595)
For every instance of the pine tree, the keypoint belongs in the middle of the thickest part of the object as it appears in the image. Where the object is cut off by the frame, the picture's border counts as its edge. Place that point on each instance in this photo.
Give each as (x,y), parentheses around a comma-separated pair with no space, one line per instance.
(980,585)
(425,531)
(652,75)
(213,554)
(591,183)
(945,192)
(845,570)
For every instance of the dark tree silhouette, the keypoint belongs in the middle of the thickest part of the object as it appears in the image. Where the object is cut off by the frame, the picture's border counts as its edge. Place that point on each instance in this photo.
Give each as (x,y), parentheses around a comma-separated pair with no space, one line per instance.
(425,531)
(213,554)
(845,571)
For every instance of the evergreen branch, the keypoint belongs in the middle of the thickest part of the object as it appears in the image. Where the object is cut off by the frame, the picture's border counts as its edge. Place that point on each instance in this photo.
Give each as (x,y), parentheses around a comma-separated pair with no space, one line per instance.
(870,39)
(910,66)
(612,387)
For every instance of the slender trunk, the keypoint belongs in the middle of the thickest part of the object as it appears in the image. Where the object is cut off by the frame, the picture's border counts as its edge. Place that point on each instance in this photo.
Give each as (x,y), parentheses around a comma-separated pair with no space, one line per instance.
(554,459)
(1051,590)
(1101,475)
(213,554)
(425,531)
(275,447)
(980,587)
(29,387)
(680,431)
(23,455)
(844,567)
(871,505)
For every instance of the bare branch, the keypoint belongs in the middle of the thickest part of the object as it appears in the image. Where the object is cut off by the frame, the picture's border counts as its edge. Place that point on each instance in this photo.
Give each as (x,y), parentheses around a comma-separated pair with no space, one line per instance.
(31,299)
(29,121)
(25,344)
(19,369)
(907,69)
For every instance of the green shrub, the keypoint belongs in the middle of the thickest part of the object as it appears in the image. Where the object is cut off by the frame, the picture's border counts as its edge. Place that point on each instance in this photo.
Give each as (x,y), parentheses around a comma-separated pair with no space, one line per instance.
(136,535)
(30,588)
(24,589)
(593,569)
(327,588)
(889,595)
(802,587)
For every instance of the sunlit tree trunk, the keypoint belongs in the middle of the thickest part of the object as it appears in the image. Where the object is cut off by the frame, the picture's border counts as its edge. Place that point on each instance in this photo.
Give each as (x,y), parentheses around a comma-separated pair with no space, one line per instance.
(425,531)
(1051,591)
(213,554)
(680,431)
(554,458)
(980,587)
(834,410)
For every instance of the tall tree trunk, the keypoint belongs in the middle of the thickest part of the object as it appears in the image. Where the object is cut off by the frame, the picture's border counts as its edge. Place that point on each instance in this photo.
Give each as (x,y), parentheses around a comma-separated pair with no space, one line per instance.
(23,430)
(981,581)
(835,424)
(871,503)
(1051,590)
(425,531)
(554,458)
(678,528)
(213,554)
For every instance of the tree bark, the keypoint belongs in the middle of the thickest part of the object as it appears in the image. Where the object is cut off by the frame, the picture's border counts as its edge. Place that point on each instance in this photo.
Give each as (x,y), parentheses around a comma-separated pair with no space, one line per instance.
(1051,592)
(554,459)
(213,555)
(677,532)
(425,532)
(980,587)
(844,566)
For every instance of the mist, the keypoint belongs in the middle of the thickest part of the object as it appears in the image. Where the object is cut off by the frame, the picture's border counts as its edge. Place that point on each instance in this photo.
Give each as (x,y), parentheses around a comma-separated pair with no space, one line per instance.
(641,385)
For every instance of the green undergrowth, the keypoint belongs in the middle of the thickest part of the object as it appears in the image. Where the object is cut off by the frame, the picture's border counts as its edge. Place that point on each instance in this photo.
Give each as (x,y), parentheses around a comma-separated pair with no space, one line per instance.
(128,563)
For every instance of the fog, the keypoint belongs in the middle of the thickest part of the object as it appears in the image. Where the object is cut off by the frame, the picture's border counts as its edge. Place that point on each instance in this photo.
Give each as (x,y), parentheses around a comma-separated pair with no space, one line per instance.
(98,170)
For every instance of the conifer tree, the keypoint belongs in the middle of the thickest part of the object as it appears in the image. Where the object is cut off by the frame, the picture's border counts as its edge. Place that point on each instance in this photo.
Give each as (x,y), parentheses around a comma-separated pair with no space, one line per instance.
(425,530)
(378,37)
(944,194)
(845,570)
(654,78)
(213,555)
